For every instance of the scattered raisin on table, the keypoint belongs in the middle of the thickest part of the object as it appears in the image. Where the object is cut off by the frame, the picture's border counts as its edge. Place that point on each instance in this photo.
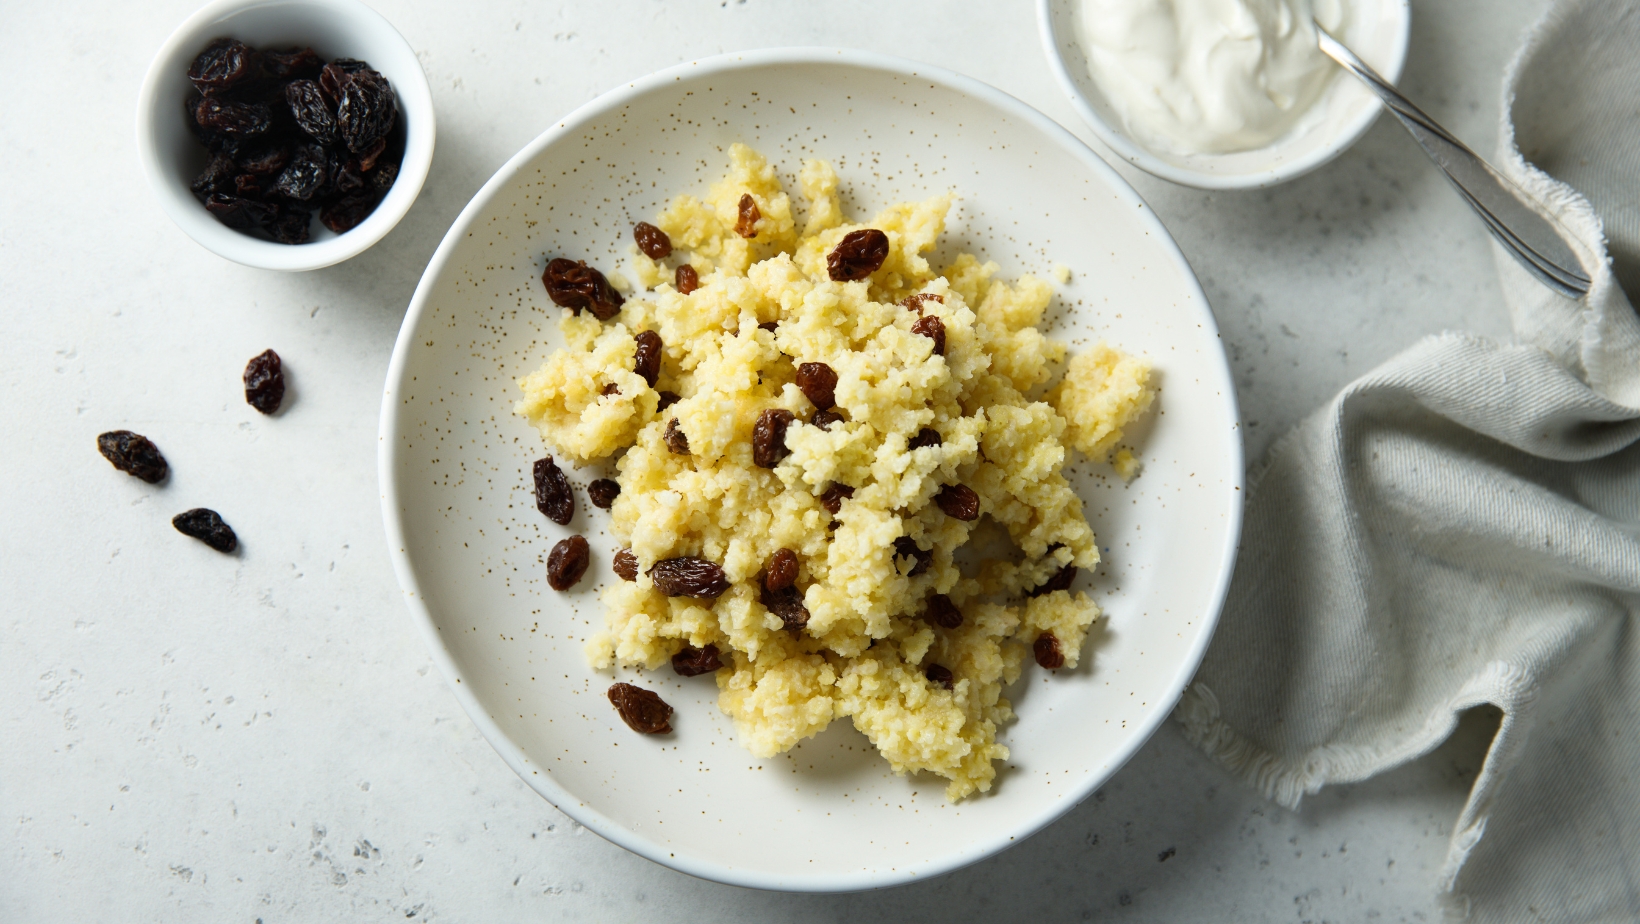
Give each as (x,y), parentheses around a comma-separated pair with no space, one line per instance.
(749,217)
(832,498)
(668,398)
(223,64)
(626,564)
(1046,650)
(642,710)
(206,526)
(692,661)
(780,572)
(134,454)
(689,577)
(574,285)
(1061,580)
(265,382)
(959,502)
(685,279)
(915,302)
(933,328)
(603,492)
(769,437)
(906,547)
(927,436)
(942,612)
(553,495)
(654,242)
(940,676)
(676,440)
(857,255)
(824,419)
(788,605)
(646,361)
(567,561)
(819,384)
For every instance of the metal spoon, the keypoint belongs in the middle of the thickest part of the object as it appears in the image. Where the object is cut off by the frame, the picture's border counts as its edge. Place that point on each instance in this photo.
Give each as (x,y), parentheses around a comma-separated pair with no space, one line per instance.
(1536,240)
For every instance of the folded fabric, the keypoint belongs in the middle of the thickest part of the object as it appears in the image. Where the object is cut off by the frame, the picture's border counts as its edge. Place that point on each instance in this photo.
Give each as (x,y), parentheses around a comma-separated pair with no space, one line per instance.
(1462,526)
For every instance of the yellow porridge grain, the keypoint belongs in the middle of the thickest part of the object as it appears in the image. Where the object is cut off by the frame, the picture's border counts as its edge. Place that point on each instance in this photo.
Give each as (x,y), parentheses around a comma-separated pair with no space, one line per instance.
(732,346)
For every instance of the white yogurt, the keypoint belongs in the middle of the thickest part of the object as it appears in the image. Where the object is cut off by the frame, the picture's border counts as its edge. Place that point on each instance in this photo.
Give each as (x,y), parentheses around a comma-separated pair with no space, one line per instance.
(1208,76)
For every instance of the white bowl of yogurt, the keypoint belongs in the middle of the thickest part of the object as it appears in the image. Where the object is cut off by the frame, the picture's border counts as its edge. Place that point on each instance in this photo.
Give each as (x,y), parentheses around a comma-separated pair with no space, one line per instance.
(1221,94)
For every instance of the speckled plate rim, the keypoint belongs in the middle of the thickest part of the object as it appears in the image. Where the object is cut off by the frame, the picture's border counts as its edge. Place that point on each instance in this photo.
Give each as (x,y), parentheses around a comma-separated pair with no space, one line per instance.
(389,442)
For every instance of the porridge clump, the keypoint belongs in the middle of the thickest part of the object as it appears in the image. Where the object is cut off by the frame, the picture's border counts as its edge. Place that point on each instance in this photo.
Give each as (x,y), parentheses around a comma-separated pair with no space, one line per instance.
(831,420)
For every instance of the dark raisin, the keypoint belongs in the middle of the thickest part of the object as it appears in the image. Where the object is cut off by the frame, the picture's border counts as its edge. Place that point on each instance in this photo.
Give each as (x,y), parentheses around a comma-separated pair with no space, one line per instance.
(942,612)
(769,436)
(206,526)
(304,175)
(676,439)
(692,661)
(1061,580)
(959,502)
(770,326)
(824,419)
(651,240)
(291,224)
(247,185)
(134,454)
(603,492)
(346,173)
(333,78)
(915,302)
(646,361)
(265,382)
(788,605)
(224,64)
(236,120)
(1046,650)
(574,285)
(610,389)
(236,212)
(626,564)
(217,177)
(668,398)
(384,176)
(689,577)
(749,217)
(832,498)
(366,110)
(780,572)
(567,561)
(934,329)
(553,495)
(927,436)
(819,384)
(295,64)
(939,676)
(345,214)
(267,161)
(857,255)
(686,280)
(906,547)
(642,710)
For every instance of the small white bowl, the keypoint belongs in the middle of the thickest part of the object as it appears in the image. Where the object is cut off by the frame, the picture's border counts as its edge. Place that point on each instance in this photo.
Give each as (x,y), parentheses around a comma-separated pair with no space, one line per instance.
(1377,30)
(172,158)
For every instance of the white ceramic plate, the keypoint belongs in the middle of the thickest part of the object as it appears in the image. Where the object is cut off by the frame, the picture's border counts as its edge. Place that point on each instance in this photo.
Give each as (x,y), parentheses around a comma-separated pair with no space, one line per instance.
(469,545)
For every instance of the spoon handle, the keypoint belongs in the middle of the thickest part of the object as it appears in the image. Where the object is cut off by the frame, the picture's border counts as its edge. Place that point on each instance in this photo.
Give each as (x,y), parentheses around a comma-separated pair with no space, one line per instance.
(1536,240)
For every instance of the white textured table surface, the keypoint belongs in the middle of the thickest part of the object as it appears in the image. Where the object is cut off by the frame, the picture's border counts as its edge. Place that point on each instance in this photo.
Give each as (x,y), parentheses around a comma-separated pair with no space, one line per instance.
(191,737)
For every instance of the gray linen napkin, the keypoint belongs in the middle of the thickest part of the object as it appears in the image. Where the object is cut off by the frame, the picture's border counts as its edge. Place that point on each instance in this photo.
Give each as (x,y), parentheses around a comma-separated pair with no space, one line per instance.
(1462,526)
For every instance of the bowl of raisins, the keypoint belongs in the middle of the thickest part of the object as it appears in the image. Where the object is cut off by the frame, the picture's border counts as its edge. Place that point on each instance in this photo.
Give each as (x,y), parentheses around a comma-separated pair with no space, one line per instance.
(286,134)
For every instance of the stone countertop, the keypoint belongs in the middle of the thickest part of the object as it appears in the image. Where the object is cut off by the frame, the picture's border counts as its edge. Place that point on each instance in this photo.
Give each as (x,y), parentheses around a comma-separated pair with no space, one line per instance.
(189,737)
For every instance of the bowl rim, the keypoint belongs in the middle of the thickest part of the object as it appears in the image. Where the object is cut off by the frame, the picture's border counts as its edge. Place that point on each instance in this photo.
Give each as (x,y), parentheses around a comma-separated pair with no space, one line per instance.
(415,98)
(1138,156)
(388,443)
